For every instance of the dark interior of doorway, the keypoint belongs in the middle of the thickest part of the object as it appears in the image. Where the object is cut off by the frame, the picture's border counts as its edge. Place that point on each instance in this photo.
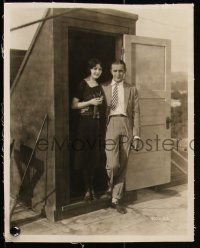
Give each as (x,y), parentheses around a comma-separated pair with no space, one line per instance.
(82,47)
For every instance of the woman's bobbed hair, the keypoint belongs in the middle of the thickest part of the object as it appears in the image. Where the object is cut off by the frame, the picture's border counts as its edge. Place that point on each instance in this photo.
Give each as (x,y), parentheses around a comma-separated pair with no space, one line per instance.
(93,62)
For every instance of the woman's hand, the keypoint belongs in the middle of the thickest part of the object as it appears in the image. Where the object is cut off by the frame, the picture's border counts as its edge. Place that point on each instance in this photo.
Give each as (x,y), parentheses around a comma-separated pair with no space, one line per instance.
(135,143)
(76,104)
(96,101)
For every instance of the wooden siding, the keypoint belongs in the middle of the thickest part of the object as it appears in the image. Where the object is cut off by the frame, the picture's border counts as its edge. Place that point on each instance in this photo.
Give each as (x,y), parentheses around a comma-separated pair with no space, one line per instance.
(16,58)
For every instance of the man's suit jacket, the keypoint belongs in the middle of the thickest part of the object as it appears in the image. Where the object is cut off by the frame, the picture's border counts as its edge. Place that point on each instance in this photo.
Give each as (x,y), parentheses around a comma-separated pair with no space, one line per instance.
(131,105)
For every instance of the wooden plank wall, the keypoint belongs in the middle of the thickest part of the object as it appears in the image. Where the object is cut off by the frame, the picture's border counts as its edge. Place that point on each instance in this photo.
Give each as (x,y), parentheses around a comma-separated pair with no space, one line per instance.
(16,58)
(32,98)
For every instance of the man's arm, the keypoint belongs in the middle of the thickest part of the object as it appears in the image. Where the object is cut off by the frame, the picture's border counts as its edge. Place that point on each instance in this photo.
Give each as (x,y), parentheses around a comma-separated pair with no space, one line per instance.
(135,113)
(136,119)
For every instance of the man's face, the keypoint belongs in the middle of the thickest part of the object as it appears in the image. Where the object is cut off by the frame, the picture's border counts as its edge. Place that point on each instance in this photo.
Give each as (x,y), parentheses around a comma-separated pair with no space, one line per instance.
(118,72)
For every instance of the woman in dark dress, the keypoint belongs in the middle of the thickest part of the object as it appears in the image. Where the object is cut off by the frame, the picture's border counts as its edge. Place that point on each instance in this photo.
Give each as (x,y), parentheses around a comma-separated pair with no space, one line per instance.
(88,99)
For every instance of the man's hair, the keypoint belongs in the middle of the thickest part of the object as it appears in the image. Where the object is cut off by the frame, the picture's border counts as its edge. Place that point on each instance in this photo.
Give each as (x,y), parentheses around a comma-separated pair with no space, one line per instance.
(118,62)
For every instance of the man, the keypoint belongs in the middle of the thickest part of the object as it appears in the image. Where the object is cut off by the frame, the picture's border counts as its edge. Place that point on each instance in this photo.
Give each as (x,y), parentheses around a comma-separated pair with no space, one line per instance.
(122,133)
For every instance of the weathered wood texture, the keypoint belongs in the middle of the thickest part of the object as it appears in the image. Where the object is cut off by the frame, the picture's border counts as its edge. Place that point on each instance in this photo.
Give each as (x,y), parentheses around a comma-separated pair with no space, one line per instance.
(148,67)
(101,20)
(31,99)
(16,57)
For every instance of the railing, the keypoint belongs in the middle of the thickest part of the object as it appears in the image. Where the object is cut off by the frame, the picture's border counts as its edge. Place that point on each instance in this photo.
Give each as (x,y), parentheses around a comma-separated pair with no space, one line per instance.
(179,161)
(28,164)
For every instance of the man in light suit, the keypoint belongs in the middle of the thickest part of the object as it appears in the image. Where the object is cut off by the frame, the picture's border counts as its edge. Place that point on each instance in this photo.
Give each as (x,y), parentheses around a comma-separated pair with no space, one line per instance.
(122,131)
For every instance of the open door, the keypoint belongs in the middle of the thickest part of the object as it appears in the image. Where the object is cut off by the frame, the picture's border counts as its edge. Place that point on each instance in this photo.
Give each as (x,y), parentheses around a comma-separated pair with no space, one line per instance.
(148,67)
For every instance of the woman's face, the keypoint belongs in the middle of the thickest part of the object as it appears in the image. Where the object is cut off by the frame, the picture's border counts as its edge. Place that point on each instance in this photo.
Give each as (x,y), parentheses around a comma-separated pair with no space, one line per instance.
(96,71)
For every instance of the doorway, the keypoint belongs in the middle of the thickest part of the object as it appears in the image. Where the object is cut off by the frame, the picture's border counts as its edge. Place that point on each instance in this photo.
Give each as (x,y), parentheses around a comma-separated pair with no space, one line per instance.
(82,46)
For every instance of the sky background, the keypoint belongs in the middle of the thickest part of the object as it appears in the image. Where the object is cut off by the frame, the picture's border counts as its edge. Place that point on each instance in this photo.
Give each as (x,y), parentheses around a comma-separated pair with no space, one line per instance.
(173,22)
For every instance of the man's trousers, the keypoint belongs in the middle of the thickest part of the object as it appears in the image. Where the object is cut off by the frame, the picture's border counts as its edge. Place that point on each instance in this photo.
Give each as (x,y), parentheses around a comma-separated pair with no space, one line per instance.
(118,141)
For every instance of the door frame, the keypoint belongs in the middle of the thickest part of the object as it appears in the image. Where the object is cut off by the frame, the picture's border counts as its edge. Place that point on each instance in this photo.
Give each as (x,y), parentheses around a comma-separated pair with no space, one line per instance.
(61,96)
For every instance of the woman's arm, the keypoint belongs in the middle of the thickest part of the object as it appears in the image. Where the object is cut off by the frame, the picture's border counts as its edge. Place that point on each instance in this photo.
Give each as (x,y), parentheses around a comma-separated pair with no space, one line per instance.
(76,104)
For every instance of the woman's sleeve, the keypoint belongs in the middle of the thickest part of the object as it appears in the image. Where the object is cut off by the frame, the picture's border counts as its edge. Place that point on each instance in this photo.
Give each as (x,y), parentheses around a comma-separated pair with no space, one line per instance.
(79,91)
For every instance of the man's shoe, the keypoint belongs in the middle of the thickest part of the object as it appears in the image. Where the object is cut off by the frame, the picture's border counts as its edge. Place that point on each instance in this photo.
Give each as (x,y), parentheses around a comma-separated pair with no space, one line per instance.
(120,209)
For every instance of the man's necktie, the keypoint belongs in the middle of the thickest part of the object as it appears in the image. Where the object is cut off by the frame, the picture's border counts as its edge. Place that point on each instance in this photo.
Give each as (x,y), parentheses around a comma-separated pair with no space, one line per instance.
(114,97)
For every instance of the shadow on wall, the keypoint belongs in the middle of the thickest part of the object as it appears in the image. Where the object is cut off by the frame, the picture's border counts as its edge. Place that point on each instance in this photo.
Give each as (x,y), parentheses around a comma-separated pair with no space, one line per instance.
(33,175)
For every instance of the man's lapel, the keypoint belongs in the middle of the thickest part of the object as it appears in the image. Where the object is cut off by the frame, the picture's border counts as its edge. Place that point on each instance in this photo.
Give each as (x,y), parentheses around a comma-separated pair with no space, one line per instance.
(126,94)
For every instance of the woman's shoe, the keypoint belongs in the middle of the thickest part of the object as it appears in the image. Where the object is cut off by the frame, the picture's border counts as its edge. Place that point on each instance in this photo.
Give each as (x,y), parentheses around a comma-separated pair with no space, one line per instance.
(94,196)
(87,196)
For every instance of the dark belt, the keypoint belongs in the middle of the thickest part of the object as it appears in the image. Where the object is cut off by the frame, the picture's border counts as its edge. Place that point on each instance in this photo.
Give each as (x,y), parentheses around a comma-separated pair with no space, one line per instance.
(89,114)
(118,115)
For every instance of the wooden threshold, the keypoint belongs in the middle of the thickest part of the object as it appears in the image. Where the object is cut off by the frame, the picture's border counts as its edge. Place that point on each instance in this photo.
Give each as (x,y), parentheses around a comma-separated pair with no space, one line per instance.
(82,207)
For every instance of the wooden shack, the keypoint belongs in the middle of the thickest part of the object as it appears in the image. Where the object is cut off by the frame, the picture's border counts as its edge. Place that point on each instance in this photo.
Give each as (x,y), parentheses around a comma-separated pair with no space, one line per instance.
(42,121)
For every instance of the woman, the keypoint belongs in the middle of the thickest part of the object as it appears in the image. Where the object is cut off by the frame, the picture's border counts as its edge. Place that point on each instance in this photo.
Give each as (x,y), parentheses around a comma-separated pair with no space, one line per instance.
(88,99)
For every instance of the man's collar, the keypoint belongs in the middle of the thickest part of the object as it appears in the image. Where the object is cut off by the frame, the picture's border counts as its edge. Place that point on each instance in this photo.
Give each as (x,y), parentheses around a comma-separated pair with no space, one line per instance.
(113,82)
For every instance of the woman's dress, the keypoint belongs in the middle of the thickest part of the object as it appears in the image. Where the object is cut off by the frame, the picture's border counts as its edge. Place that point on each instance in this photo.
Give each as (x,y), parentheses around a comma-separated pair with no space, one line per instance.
(88,144)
